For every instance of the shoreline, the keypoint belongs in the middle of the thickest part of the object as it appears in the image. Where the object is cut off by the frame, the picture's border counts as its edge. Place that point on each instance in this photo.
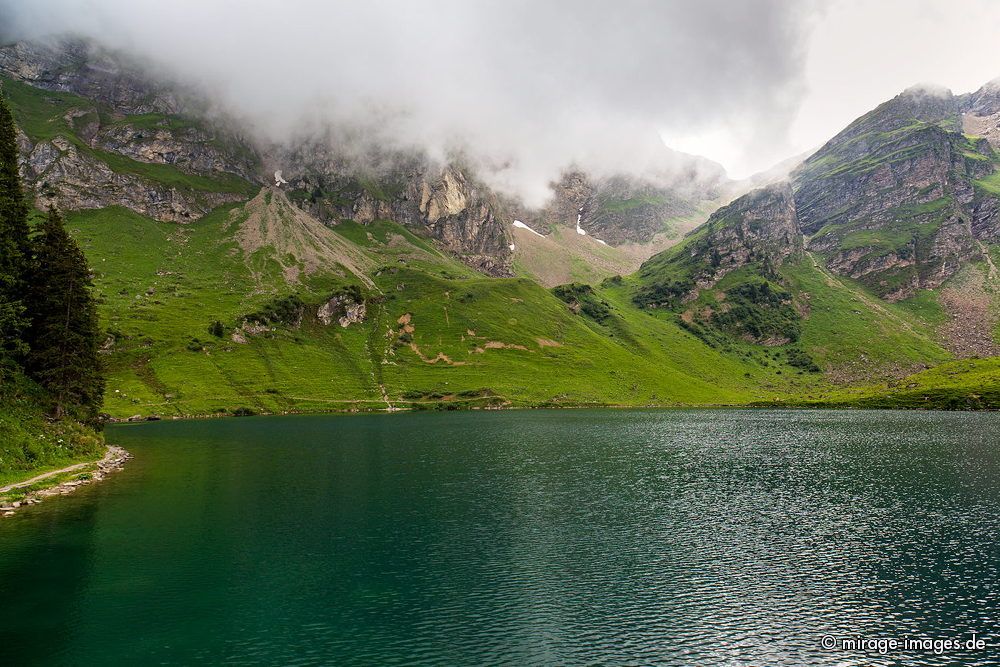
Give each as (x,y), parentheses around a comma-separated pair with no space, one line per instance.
(152,418)
(60,482)
(808,407)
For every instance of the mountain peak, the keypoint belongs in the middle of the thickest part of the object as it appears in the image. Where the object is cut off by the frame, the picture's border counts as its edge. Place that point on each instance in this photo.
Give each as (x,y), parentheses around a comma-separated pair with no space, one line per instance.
(919,91)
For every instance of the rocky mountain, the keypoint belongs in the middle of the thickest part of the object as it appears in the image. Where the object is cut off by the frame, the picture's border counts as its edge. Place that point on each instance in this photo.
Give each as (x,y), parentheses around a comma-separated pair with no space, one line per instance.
(622,209)
(902,204)
(83,68)
(100,129)
(95,133)
(900,200)
(444,202)
(368,280)
(758,228)
(749,241)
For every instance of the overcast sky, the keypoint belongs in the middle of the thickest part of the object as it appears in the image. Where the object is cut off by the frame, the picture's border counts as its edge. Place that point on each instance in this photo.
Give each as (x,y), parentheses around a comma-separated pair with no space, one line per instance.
(533,85)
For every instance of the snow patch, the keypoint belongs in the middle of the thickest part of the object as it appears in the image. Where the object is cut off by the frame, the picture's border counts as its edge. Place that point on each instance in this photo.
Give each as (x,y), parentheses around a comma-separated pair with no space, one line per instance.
(600,241)
(278,180)
(579,229)
(521,225)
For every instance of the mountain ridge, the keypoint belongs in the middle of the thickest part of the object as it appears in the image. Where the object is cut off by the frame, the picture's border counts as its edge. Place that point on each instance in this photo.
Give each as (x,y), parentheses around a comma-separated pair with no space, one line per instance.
(412,288)
(115,113)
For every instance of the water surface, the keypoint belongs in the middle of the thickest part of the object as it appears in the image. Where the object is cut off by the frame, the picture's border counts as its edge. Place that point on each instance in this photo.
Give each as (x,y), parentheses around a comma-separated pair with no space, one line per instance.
(688,537)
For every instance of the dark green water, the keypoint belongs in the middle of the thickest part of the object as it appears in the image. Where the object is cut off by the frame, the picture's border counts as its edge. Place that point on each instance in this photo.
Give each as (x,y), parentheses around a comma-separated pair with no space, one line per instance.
(574,537)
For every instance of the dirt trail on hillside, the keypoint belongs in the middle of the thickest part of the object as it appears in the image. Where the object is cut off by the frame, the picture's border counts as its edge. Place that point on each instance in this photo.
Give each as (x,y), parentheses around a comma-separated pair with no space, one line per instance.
(44,476)
(112,461)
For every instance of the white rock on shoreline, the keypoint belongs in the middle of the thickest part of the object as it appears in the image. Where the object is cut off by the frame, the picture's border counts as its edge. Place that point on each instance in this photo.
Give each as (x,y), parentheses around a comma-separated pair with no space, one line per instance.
(113,460)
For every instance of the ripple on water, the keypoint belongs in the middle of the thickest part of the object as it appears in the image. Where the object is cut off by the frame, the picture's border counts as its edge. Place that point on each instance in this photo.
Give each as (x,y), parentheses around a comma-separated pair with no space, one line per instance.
(580,537)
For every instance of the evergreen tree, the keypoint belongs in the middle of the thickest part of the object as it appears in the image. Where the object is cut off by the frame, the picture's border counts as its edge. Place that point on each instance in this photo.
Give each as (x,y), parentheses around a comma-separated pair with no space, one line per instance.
(14,246)
(64,327)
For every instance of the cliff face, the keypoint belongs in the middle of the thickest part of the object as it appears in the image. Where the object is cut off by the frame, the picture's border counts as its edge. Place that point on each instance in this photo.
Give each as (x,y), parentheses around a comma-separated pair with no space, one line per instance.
(62,174)
(441,202)
(191,148)
(97,133)
(83,68)
(897,199)
(758,228)
(468,219)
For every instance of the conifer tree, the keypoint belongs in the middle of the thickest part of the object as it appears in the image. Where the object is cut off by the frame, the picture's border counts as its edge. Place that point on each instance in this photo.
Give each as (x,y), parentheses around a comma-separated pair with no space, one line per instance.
(64,327)
(14,246)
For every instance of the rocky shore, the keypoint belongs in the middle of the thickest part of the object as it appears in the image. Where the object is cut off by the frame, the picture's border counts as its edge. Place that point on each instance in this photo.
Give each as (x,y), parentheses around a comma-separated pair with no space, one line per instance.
(71,478)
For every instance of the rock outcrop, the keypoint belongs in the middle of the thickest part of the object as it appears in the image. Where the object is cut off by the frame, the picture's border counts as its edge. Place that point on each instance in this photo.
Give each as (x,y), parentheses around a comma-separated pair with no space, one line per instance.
(758,228)
(469,219)
(444,203)
(101,149)
(189,147)
(346,309)
(61,173)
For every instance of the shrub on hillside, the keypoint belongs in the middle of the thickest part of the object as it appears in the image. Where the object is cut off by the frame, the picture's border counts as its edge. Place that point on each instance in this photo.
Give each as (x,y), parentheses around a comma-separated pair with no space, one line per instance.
(286,310)
(663,295)
(584,301)
(759,311)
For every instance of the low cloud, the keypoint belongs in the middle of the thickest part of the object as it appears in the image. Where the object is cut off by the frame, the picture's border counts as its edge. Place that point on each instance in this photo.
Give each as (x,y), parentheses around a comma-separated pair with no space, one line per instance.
(524,87)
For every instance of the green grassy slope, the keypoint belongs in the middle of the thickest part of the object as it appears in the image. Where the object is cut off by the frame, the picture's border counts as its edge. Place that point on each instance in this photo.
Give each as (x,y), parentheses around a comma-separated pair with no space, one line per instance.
(467,339)
(162,285)
(470,339)
(31,443)
(798,307)
(848,329)
(966,384)
(437,334)
(515,339)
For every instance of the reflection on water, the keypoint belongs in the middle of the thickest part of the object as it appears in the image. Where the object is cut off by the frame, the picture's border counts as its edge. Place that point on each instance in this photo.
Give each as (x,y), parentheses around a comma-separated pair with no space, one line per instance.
(574,537)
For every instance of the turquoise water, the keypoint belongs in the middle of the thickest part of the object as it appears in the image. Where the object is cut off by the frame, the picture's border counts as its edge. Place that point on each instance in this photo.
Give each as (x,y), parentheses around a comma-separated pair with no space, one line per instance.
(688,537)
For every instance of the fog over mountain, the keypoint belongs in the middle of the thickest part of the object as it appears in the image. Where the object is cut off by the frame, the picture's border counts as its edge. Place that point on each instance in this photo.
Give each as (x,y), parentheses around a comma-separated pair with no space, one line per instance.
(527,88)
